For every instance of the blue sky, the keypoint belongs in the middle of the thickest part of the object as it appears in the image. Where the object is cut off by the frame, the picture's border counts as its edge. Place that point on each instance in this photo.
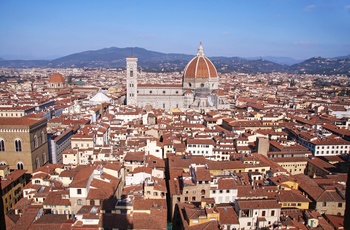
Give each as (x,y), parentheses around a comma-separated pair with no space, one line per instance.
(292,28)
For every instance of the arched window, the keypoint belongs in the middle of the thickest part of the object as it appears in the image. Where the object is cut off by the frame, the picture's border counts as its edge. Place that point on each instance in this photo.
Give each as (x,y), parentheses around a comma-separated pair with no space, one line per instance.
(44,158)
(37,163)
(20,165)
(18,145)
(79,202)
(2,163)
(35,141)
(2,145)
(43,139)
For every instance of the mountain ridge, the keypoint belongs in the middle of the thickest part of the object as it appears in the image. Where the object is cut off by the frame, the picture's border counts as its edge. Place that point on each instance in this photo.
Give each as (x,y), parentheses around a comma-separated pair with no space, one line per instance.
(114,57)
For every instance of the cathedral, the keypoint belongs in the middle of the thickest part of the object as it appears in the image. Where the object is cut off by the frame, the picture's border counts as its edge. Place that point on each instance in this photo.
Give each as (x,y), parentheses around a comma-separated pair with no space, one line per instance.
(199,89)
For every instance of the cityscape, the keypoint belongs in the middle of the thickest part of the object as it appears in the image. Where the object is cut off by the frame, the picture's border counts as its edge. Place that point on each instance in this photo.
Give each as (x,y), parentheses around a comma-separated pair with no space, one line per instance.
(131,138)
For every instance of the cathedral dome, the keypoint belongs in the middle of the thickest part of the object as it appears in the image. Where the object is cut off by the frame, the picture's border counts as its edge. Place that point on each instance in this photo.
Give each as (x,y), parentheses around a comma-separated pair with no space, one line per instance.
(56,78)
(200,66)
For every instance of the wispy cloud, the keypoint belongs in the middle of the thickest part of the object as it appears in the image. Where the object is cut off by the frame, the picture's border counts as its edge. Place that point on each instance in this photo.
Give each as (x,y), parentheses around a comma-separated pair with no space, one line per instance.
(226,33)
(309,7)
(347,8)
(304,43)
(147,35)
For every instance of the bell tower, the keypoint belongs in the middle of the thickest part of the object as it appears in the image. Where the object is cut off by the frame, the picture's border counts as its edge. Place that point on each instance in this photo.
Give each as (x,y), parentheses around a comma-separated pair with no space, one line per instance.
(131,80)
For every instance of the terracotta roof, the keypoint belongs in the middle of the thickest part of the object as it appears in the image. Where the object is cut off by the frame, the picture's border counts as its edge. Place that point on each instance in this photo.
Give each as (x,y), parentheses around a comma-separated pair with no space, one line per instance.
(291,196)
(52,222)
(203,174)
(258,204)
(147,204)
(55,198)
(56,78)
(228,215)
(82,177)
(200,67)
(226,183)
(20,121)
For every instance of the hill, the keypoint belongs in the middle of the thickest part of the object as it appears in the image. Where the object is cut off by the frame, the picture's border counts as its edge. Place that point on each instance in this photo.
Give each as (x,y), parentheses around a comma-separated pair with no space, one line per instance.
(152,61)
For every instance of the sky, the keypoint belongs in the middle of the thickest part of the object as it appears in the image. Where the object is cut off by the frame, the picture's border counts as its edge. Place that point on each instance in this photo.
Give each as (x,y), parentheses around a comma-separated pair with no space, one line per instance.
(300,29)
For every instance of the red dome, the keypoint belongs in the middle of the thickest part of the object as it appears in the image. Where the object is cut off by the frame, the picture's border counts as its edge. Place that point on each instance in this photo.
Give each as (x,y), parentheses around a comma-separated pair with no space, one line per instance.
(200,66)
(56,78)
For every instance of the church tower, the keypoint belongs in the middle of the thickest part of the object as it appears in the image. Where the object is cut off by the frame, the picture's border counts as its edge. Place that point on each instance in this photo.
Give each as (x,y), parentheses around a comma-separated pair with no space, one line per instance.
(131,80)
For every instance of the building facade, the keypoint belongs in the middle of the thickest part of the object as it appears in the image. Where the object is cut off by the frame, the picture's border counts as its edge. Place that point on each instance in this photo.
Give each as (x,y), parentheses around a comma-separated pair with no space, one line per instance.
(23,143)
(12,184)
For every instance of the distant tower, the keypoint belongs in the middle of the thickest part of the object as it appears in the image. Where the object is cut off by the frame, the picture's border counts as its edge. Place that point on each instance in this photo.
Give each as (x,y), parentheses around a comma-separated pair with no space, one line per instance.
(131,80)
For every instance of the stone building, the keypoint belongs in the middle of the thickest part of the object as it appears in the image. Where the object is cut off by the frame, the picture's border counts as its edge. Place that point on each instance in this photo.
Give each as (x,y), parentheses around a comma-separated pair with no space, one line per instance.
(56,82)
(12,184)
(23,143)
(199,88)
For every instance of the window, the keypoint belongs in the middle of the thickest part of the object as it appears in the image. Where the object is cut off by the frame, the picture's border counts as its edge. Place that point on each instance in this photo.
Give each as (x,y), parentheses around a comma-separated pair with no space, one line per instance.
(340,205)
(2,163)
(42,135)
(37,182)
(35,141)
(131,73)
(263,213)
(324,204)
(19,165)
(249,223)
(272,212)
(79,191)
(37,162)
(44,158)
(2,145)
(79,202)
(18,145)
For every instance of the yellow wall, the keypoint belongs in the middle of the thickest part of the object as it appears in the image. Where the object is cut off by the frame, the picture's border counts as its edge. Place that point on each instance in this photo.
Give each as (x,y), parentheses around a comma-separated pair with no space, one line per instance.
(303,205)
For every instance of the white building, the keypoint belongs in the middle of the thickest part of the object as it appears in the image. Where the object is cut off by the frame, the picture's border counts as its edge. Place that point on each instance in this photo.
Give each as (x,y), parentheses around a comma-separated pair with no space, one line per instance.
(256,214)
(326,146)
(223,190)
(138,176)
(201,147)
